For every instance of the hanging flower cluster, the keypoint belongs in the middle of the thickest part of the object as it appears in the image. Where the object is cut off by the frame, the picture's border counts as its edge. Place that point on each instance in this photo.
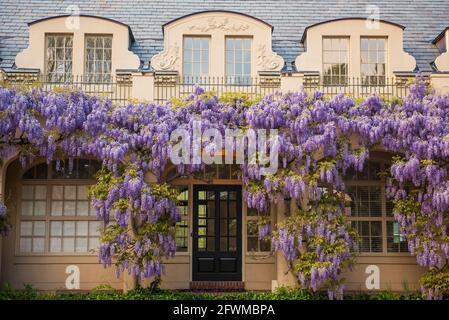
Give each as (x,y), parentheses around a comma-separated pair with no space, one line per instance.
(319,140)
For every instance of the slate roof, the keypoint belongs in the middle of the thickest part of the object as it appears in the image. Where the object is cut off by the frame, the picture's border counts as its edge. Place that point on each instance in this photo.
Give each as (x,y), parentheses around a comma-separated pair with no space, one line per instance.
(423,20)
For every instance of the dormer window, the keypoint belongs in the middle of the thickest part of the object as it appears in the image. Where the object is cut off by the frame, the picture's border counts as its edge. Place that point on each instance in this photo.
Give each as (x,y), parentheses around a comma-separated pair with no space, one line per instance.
(218,44)
(92,52)
(59,56)
(238,60)
(352,49)
(373,53)
(98,58)
(335,60)
(195,58)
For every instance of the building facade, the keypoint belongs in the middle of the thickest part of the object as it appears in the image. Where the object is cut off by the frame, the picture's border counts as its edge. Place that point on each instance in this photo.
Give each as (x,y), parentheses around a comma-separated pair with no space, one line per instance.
(158,50)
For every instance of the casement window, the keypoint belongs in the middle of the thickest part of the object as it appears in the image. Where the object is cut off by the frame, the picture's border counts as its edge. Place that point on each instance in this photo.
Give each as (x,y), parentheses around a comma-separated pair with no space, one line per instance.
(98,58)
(182,229)
(335,60)
(238,60)
(58,57)
(373,55)
(253,243)
(55,214)
(195,58)
(371,212)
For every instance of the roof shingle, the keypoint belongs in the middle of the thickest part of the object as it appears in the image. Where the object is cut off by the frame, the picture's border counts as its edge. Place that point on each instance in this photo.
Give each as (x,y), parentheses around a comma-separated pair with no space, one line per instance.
(423,20)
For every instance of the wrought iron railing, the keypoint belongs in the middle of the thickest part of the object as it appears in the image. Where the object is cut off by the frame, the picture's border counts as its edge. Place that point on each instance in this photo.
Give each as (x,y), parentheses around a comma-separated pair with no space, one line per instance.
(116,88)
(386,88)
(167,87)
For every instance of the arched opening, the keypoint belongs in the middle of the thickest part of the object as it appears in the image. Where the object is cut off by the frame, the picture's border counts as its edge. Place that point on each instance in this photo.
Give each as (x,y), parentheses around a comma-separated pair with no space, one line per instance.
(371,212)
(53,212)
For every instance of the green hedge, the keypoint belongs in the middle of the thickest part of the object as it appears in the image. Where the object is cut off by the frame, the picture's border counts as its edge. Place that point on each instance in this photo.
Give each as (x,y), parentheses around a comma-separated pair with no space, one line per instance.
(107,293)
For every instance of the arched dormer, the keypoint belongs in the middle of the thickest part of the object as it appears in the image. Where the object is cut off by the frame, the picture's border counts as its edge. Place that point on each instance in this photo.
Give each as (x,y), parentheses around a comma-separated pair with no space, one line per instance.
(56,43)
(217,43)
(362,46)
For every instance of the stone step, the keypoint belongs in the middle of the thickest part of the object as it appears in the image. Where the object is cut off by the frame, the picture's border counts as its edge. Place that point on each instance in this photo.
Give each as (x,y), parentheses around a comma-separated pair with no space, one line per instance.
(217,285)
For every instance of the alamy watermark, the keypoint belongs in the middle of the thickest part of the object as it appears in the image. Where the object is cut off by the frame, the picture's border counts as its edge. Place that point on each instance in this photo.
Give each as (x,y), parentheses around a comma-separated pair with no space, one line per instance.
(252,147)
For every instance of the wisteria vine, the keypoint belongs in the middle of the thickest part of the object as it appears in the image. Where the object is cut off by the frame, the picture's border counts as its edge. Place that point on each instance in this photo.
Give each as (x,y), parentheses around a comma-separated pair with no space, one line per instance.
(320,139)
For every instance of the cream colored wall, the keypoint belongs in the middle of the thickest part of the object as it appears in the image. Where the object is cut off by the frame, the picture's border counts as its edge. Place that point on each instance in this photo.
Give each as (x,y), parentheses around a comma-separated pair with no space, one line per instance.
(217,26)
(440,82)
(397,272)
(397,59)
(442,61)
(34,55)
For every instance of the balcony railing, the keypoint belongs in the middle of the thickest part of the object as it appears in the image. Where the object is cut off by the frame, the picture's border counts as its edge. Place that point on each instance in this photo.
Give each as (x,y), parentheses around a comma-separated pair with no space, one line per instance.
(116,88)
(386,88)
(168,86)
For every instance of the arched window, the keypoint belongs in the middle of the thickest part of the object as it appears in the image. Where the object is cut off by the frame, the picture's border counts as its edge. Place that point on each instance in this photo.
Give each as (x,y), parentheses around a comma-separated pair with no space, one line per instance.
(370,211)
(54,212)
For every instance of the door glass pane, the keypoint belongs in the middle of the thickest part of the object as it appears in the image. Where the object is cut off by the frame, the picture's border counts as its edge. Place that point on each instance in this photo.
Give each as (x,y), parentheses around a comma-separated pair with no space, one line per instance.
(201,243)
(211,244)
(202,211)
(233,227)
(223,209)
(211,227)
(232,209)
(223,244)
(223,227)
(232,244)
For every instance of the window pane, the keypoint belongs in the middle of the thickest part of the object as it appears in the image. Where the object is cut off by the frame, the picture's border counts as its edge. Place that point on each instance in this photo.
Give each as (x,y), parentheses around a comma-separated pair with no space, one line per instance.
(373,59)
(28,192)
(40,208)
(69,228)
(25,245)
(238,59)
(81,245)
(26,228)
(98,55)
(70,192)
(27,208)
(82,228)
(94,243)
(94,228)
(68,244)
(335,60)
(195,57)
(56,228)
(55,244)
(58,56)
(69,208)
(82,208)
(39,228)
(57,192)
(38,245)
(56,208)
(82,192)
